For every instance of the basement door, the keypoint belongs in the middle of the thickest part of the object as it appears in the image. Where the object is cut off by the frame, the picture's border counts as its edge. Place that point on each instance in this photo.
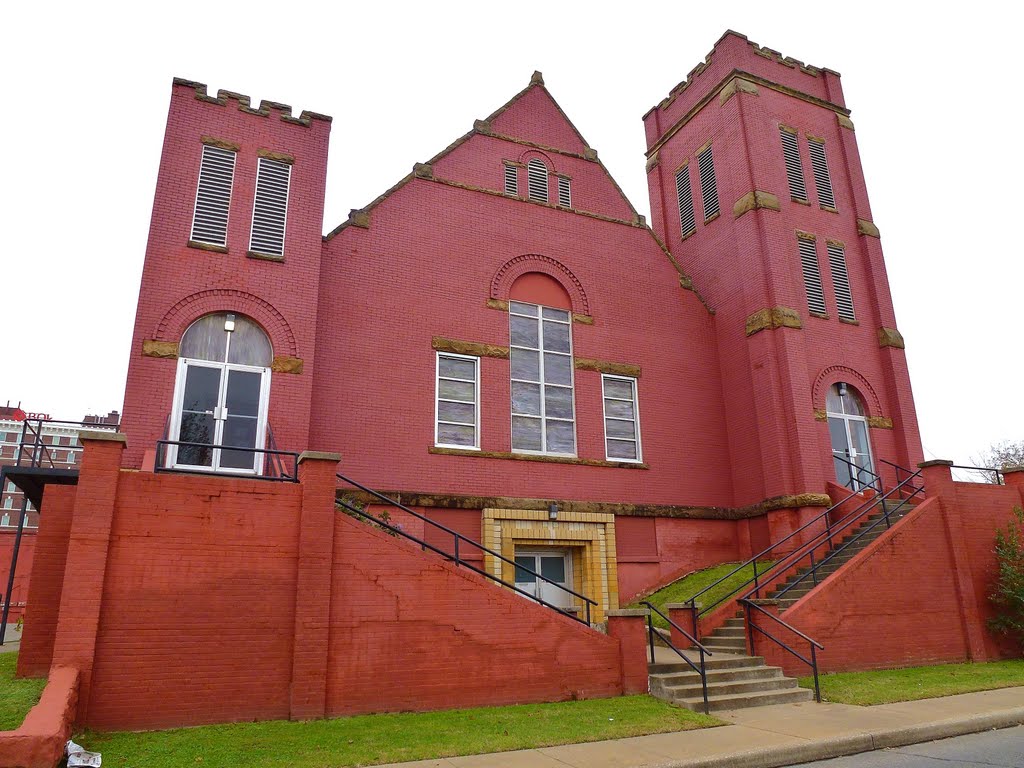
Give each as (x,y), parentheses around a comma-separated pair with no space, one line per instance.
(553,564)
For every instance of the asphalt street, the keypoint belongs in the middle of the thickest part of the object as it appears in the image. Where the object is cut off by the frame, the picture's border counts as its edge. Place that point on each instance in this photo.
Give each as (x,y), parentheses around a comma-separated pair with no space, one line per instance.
(1003,749)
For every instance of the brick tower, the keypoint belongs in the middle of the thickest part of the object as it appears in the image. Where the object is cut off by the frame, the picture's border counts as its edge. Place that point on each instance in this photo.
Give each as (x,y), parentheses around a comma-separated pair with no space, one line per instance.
(756,184)
(236,230)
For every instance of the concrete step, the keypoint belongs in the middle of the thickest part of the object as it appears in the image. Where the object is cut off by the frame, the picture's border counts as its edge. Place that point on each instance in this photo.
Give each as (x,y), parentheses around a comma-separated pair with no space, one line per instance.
(725,641)
(734,630)
(715,662)
(731,688)
(716,649)
(745,700)
(729,674)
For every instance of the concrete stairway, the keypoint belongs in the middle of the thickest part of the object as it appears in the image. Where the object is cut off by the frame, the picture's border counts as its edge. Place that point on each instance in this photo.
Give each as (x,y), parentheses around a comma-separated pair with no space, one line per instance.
(735,681)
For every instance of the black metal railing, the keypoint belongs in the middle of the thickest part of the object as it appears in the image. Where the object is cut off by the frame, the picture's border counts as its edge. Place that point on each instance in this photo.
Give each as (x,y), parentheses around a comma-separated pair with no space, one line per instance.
(749,607)
(458,553)
(283,466)
(901,474)
(857,474)
(34,451)
(997,474)
(700,669)
(817,564)
(831,528)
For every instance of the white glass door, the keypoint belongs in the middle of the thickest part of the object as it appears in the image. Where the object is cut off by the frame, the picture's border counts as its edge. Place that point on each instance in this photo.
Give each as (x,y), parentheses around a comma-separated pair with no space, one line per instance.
(223,408)
(551,564)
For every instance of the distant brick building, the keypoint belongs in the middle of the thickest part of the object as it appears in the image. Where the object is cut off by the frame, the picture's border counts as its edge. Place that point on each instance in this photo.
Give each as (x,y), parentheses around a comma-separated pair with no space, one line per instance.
(501,330)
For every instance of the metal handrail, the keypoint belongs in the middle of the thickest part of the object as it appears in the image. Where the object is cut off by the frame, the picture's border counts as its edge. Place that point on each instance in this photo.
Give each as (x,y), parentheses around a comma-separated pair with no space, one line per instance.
(999,472)
(457,537)
(161,446)
(40,450)
(876,483)
(896,472)
(815,645)
(807,549)
(826,515)
(700,670)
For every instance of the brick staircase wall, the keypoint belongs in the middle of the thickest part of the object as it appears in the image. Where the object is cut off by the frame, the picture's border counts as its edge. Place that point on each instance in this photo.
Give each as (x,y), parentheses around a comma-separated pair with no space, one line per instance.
(189,599)
(916,595)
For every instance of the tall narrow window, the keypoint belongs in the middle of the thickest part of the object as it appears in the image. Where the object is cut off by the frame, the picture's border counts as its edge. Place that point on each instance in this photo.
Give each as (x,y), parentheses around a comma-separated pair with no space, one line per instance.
(511,180)
(841,281)
(708,184)
(543,418)
(270,209)
(213,196)
(537,174)
(621,418)
(794,170)
(687,222)
(457,414)
(564,192)
(822,179)
(812,275)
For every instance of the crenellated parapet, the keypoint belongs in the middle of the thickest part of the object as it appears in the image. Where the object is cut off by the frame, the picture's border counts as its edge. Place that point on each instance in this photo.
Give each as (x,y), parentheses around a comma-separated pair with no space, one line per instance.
(266,108)
(732,58)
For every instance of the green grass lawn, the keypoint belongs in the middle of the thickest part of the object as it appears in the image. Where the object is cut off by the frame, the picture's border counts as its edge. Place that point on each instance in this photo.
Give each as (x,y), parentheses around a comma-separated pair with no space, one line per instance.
(890,685)
(682,590)
(17,697)
(372,739)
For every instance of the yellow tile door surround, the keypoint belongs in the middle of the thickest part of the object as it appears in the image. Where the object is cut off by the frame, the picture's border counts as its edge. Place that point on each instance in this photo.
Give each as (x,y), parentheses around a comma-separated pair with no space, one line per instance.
(588,536)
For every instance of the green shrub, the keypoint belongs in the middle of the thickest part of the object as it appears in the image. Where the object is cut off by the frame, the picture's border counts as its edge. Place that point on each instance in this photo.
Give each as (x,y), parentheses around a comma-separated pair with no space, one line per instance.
(1008,592)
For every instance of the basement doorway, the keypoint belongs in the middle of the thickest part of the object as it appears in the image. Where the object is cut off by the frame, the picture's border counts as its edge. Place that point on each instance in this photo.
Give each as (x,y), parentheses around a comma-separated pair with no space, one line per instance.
(554,564)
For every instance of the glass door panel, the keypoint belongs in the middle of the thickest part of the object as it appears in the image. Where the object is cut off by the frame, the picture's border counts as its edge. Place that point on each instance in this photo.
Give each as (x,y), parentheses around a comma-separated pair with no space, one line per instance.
(241,418)
(860,453)
(553,567)
(198,424)
(840,449)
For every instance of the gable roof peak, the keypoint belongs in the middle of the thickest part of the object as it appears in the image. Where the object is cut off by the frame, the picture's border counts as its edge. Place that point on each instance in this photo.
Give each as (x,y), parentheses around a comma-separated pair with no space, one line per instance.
(537,78)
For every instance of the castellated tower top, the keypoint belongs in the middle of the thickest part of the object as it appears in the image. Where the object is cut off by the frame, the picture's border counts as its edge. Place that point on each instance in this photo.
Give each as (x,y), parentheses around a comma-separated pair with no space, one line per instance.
(266,108)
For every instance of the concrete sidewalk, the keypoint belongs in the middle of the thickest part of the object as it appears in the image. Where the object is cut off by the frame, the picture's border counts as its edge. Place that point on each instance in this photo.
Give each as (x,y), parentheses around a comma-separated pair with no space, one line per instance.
(765,737)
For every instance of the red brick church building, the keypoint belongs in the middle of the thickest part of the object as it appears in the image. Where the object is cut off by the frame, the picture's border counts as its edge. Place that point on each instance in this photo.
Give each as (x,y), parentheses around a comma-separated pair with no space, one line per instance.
(502,344)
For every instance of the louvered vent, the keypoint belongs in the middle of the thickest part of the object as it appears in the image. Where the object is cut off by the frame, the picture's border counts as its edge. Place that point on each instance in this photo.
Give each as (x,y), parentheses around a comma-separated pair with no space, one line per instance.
(812,276)
(270,208)
(708,185)
(213,198)
(564,192)
(822,179)
(511,180)
(687,223)
(841,281)
(794,170)
(538,178)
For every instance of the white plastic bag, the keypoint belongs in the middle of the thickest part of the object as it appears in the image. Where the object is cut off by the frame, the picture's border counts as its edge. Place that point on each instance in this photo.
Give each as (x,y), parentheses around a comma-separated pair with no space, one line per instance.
(79,758)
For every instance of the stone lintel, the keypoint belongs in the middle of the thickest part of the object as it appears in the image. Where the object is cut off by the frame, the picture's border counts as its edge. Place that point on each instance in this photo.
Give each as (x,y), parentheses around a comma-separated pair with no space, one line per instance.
(582,319)
(890,337)
(753,200)
(164,349)
(844,122)
(603,366)
(473,348)
(497,304)
(280,157)
(212,141)
(771,318)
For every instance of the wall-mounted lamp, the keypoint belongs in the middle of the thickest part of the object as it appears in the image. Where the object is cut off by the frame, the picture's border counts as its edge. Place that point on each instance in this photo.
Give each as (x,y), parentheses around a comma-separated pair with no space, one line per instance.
(552,511)
(842,389)
(229,323)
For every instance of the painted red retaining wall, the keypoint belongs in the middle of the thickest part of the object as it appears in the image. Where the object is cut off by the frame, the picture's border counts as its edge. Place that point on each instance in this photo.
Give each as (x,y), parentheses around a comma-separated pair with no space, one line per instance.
(19,596)
(39,741)
(190,599)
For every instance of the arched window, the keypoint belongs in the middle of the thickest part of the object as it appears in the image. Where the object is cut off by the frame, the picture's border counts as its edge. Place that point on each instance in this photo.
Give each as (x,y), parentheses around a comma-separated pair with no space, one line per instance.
(848,430)
(221,394)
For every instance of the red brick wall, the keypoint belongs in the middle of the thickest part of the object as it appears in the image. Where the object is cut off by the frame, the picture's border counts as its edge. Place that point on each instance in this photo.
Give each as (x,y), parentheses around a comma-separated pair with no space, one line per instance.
(198,605)
(47,581)
(916,595)
(411,632)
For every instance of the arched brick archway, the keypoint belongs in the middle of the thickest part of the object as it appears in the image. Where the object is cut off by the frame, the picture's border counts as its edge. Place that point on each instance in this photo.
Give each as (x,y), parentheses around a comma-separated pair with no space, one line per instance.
(502,281)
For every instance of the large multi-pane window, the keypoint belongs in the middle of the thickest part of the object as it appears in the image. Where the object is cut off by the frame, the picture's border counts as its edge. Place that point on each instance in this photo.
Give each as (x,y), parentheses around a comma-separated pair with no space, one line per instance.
(542,380)
(457,414)
(621,418)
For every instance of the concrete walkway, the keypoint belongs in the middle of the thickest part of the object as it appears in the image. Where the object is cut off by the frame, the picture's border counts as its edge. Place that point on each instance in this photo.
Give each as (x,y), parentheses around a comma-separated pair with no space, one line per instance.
(765,737)
(12,639)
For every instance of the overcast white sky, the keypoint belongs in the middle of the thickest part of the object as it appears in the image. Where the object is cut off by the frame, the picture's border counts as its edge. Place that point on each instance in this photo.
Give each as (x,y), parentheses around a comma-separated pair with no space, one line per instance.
(934,96)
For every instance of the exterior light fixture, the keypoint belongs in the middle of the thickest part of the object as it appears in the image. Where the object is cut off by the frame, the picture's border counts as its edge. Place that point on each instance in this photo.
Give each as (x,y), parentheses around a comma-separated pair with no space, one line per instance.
(552,511)
(842,389)
(229,323)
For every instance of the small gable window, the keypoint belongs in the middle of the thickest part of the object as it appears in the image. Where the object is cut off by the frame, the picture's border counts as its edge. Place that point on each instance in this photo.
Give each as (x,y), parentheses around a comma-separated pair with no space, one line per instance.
(687,223)
(537,175)
(708,183)
(564,192)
